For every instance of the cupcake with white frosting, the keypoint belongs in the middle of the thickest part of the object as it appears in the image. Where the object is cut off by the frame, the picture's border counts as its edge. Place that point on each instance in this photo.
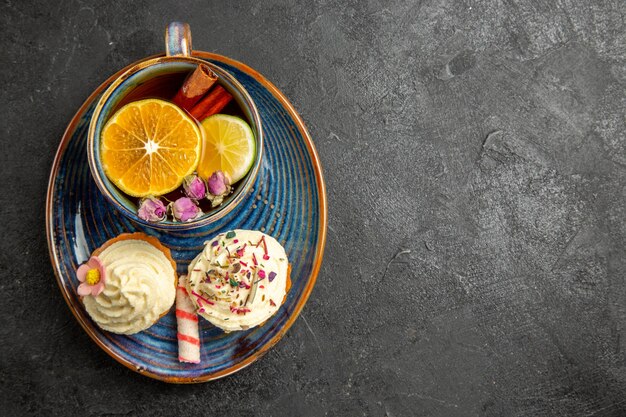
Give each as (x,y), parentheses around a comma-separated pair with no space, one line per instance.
(239,280)
(128,284)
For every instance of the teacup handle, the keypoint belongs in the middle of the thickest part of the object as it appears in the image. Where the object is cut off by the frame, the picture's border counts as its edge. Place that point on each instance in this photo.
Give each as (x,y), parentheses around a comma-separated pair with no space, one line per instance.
(178,39)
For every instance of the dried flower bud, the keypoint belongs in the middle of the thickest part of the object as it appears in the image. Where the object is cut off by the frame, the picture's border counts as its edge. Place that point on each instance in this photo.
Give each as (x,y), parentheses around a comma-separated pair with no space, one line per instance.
(218,184)
(195,187)
(152,209)
(184,210)
(219,187)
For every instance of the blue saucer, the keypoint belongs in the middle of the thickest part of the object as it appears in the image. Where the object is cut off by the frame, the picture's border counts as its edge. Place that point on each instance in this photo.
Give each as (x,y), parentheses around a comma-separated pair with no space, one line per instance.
(288,201)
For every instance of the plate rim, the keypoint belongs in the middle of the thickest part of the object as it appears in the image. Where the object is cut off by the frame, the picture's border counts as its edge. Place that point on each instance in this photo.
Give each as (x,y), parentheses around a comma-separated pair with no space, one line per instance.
(322,229)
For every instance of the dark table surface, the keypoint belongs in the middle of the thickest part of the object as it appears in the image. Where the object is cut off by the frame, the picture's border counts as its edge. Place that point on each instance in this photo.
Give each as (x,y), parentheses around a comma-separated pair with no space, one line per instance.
(475,159)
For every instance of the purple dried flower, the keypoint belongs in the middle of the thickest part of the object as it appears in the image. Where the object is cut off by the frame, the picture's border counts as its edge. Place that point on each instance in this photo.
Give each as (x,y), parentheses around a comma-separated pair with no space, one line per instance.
(152,209)
(184,209)
(195,187)
(218,184)
(219,188)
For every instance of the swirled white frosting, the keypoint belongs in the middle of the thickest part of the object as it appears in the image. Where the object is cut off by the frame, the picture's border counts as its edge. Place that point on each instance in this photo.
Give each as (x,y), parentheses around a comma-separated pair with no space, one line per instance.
(139,287)
(239,280)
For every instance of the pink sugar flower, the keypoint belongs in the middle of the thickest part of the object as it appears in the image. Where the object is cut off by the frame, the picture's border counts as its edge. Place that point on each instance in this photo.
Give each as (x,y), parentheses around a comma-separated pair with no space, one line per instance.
(92,276)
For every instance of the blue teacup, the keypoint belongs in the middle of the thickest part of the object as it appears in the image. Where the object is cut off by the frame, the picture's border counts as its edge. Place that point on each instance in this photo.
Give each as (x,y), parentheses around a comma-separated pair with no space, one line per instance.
(177,62)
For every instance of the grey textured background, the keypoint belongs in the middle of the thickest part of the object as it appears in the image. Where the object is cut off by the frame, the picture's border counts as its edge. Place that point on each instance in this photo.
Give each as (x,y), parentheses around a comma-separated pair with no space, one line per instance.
(488,138)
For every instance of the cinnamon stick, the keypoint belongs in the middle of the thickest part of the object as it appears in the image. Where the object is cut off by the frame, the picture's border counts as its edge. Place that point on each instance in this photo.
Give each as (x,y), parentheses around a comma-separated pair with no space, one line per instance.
(212,103)
(195,86)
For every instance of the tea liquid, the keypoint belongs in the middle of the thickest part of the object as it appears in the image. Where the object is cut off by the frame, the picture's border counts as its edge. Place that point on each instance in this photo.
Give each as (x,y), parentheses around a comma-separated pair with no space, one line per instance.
(165,87)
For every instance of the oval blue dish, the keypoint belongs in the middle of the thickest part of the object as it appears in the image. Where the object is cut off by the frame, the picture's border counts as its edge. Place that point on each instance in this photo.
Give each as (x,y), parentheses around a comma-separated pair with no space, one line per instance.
(287,201)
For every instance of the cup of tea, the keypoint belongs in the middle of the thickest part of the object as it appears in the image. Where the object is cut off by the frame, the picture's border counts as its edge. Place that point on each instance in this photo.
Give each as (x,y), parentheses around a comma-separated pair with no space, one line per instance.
(156,137)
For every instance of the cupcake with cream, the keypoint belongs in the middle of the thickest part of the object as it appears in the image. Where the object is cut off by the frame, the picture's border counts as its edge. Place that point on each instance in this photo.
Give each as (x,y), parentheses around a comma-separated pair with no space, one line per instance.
(239,280)
(128,283)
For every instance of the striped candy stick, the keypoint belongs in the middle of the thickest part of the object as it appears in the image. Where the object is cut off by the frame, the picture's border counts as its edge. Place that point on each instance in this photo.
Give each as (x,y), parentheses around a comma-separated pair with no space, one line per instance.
(187,321)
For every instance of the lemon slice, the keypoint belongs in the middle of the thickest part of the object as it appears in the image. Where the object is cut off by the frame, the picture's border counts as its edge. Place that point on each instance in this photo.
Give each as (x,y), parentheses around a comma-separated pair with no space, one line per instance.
(149,146)
(228,146)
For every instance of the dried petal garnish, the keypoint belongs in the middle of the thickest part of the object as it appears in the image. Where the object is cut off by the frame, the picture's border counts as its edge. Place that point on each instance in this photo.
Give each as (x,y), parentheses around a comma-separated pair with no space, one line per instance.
(252,294)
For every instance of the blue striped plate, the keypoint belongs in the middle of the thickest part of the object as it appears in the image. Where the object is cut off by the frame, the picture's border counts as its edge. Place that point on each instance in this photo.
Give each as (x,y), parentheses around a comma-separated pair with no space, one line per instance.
(288,201)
